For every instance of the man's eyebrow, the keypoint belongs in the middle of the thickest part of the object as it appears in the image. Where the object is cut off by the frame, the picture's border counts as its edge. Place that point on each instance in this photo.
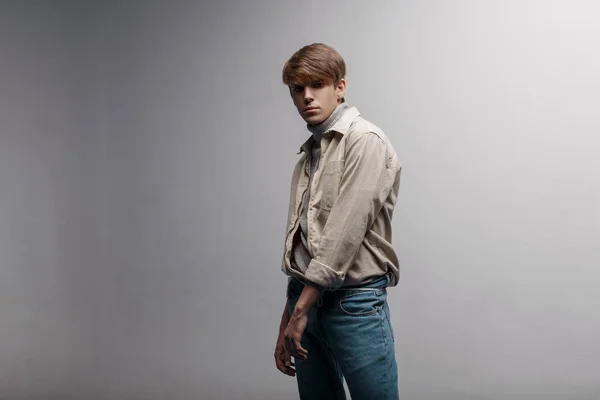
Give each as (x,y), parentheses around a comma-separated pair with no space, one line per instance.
(301,85)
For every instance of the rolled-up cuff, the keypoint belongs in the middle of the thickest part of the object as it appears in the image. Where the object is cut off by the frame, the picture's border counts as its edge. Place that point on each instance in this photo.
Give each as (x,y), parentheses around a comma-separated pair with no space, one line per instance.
(324,276)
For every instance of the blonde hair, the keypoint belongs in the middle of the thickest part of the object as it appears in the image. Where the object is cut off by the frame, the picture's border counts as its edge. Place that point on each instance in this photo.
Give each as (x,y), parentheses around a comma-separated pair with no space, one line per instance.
(315,62)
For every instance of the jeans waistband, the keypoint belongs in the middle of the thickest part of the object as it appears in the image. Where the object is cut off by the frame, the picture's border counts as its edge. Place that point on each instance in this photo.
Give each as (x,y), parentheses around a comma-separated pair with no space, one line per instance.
(377,283)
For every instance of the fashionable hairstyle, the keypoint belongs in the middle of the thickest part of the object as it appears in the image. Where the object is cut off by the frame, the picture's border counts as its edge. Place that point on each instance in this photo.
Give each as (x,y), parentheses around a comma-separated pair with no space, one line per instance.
(315,62)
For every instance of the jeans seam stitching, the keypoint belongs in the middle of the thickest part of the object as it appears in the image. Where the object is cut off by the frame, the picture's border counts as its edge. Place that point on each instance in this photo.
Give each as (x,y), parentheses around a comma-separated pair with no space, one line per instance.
(357,314)
(387,356)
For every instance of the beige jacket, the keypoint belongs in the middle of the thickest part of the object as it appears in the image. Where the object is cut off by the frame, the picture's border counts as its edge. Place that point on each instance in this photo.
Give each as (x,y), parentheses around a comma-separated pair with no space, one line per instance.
(351,201)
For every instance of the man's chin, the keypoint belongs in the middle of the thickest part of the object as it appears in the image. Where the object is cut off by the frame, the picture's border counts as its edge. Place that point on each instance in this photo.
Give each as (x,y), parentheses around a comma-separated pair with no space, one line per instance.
(313,120)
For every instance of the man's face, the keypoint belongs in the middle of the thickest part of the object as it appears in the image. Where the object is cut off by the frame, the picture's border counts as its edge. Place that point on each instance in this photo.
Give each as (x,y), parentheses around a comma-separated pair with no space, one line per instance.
(317,101)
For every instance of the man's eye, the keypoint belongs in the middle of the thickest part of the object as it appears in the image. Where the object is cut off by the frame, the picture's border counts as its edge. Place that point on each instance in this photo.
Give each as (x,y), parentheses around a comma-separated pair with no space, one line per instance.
(317,85)
(297,89)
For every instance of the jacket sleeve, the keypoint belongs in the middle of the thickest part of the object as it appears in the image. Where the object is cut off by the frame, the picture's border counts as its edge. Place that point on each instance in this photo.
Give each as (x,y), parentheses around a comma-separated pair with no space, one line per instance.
(367,179)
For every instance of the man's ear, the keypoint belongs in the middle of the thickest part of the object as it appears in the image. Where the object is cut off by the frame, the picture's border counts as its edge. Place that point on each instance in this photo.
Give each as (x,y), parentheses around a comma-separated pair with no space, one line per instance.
(341,90)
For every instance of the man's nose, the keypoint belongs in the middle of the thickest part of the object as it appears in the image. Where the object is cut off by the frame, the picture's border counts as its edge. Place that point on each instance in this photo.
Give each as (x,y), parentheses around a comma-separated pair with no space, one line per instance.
(308,95)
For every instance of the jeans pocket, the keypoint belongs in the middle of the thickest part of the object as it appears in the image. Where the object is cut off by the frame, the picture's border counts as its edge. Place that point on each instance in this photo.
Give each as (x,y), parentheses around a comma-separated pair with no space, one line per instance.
(361,303)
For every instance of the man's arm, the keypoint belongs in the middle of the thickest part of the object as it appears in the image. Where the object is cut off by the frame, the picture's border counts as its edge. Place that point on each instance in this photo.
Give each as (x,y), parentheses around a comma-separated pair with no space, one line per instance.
(283,360)
(309,296)
(285,318)
(292,328)
(368,177)
(298,320)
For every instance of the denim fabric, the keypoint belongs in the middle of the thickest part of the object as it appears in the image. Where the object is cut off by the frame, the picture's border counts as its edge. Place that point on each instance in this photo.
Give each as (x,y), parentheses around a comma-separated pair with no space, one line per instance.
(348,336)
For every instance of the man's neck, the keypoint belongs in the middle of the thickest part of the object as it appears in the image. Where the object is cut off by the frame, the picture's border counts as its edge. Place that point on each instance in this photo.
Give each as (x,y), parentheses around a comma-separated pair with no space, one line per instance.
(318,129)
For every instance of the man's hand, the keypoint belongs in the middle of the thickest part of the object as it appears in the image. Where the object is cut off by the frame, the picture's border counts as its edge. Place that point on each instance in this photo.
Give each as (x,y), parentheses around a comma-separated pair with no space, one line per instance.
(283,360)
(295,327)
(293,336)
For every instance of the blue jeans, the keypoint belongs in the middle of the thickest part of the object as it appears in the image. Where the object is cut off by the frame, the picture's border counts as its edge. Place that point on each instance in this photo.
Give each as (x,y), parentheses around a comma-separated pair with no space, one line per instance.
(348,335)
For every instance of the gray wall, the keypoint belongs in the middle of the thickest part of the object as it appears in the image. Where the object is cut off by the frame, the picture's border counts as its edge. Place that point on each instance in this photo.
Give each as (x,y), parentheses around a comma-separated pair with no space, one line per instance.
(145,156)
(46,220)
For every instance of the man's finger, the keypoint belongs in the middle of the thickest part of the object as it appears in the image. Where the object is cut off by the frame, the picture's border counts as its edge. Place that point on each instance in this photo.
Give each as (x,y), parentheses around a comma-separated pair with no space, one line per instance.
(279,362)
(289,370)
(283,364)
(294,352)
(285,370)
(288,362)
(301,352)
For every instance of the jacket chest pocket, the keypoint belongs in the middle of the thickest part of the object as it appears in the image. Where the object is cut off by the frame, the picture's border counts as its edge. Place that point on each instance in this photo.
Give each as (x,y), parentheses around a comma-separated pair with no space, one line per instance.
(330,183)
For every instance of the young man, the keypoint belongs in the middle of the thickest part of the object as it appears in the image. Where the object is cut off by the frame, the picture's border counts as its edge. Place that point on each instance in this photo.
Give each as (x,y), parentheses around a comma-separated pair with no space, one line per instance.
(338,253)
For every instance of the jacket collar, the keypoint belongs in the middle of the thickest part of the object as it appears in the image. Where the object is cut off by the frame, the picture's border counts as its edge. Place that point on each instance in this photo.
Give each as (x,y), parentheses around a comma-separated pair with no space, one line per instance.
(341,127)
